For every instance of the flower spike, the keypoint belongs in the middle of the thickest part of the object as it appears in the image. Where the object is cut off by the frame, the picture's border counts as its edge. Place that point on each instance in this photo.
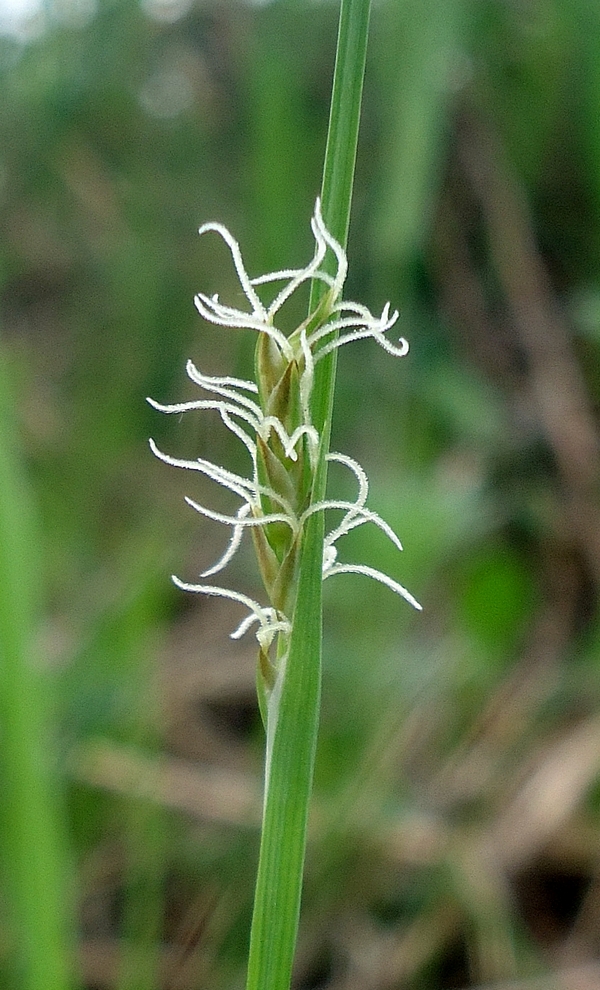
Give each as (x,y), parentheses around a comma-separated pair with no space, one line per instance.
(272,417)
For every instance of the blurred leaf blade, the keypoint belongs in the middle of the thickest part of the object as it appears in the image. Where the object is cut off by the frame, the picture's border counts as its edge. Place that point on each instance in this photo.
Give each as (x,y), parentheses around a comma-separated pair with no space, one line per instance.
(33,810)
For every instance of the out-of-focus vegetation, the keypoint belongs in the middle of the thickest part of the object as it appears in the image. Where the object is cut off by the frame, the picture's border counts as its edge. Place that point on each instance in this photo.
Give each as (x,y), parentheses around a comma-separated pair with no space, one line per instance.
(456,817)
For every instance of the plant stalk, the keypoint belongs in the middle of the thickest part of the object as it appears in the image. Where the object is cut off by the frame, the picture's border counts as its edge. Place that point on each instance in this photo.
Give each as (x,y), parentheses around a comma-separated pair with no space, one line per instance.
(288,789)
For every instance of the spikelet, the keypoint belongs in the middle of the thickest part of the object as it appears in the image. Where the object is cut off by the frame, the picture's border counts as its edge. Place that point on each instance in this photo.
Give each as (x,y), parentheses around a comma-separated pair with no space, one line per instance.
(272,419)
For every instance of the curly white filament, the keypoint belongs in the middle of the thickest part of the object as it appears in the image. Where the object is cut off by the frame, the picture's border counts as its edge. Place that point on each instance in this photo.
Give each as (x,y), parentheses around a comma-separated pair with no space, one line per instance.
(269,622)
(377,576)
(233,545)
(241,410)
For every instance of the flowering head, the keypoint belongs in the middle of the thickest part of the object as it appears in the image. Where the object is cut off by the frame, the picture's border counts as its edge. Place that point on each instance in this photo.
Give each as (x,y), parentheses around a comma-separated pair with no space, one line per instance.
(273,420)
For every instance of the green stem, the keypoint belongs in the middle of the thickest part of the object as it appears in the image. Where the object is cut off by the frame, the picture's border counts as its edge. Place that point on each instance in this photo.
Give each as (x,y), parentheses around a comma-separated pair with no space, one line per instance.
(287,799)
(338,173)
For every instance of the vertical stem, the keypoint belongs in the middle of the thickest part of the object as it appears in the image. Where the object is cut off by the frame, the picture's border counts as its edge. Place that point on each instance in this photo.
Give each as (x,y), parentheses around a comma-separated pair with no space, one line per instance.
(344,117)
(285,815)
(338,171)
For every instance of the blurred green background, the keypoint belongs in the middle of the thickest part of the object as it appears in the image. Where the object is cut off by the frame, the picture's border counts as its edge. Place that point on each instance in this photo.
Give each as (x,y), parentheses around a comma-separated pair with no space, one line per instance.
(455,835)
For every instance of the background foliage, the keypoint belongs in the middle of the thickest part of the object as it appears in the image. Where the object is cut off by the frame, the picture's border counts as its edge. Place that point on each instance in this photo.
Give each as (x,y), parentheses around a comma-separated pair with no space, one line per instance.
(454,840)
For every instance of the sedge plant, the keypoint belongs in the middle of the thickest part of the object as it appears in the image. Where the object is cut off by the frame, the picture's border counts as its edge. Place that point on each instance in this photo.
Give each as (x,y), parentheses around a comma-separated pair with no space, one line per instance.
(283,420)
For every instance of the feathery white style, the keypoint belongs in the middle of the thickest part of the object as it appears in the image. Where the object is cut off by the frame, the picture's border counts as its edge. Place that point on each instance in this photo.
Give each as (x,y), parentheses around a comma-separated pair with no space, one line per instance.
(238,403)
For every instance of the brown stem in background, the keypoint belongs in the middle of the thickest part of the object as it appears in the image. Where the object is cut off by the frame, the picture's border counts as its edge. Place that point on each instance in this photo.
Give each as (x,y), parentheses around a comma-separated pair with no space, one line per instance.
(556,381)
